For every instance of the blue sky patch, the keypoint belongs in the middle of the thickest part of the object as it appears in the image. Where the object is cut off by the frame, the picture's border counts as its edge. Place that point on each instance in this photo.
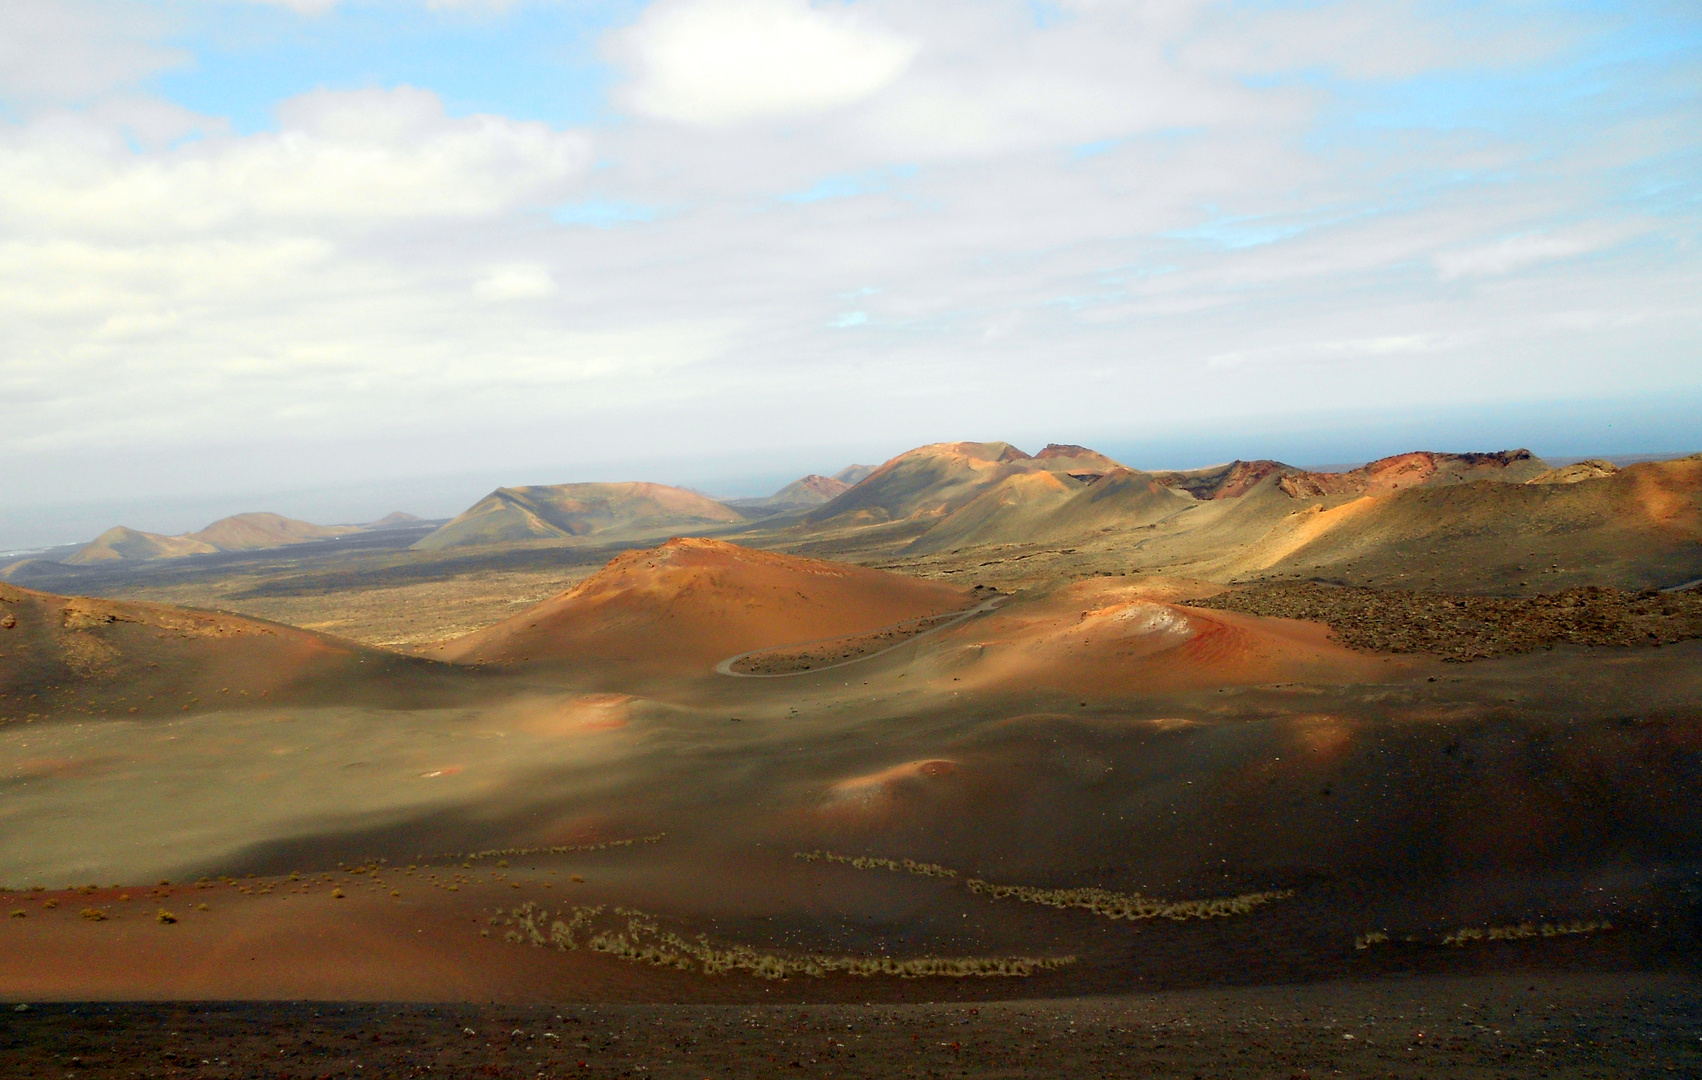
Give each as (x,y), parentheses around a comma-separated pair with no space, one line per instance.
(602,213)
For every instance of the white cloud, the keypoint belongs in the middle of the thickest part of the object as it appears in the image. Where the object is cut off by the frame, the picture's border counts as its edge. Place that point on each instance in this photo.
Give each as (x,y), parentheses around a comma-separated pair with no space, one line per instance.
(76,49)
(379,270)
(318,7)
(1516,252)
(721,62)
(366,156)
(520,282)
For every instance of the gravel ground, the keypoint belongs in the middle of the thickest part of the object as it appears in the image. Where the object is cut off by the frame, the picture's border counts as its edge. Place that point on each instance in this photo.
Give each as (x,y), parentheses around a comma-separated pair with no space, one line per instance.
(1611,1025)
(1475,627)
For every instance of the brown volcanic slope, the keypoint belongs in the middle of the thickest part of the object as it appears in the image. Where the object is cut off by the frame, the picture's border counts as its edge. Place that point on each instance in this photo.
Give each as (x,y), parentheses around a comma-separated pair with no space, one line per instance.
(1010,511)
(684,606)
(1067,457)
(1418,469)
(1099,638)
(1042,506)
(62,654)
(247,532)
(240,532)
(1222,481)
(927,482)
(801,494)
(563,511)
(122,543)
(932,482)
(1413,520)
(1638,528)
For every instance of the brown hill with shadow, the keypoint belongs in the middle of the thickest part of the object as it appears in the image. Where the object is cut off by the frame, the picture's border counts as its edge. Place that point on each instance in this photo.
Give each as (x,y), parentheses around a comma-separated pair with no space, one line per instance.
(1045,506)
(681,607)
(240,532)
(1010,512)
(1591,469)
(133,544)
(1421,468)
(1121,499)
(250,532)
(936,481)
(1076,460)
(60,654)
(1095,639)
(565,511)
(1637,528)
(927,482)
(801,494)
(1222,481)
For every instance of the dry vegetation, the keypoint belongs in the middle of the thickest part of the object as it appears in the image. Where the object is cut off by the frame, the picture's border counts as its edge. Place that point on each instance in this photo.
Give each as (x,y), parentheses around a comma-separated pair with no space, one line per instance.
(1476,627)
(559,849)
(865,862)
(1102,902)
(633,935)
(1115,905)
(1471,935)
(1524,931)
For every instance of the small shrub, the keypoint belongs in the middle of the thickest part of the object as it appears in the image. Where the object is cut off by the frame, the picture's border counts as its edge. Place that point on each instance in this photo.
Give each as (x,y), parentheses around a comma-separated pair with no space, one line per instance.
(866,862)
(1467,935)
(19,913)
(560,849)
(165,916)
(93,914)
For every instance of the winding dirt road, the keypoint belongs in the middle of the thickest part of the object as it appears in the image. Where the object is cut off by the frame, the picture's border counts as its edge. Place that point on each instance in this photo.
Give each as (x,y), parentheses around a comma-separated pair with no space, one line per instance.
(725,667)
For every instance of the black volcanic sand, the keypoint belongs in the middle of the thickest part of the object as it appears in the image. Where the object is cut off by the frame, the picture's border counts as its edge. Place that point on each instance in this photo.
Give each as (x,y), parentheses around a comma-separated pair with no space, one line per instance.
(1553,790)
(1509,1025)
(1547,798)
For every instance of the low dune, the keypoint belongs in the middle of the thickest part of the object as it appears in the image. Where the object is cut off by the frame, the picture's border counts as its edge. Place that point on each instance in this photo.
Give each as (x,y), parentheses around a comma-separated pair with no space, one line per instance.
(1097,639)
(680,608)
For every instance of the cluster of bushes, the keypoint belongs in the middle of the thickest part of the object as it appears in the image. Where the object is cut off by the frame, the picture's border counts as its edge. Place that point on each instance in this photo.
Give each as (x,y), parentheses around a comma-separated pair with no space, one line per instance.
(633,935)
(1103,902)
(867,862)
(1468,935)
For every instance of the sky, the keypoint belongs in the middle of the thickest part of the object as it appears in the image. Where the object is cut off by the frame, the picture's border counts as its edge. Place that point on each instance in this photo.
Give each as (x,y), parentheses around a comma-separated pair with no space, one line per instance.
(339,257)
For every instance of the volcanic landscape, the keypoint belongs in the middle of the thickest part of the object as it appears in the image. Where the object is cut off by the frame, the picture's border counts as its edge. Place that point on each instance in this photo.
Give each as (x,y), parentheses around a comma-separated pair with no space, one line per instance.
(1127,770)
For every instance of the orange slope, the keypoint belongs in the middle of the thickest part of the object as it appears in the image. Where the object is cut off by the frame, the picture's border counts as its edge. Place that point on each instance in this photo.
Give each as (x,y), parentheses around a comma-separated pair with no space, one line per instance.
(682,607)
(1094,639)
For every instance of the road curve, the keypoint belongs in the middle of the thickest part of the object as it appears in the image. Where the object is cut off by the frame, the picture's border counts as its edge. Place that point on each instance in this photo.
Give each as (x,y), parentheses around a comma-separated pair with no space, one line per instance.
(725,667)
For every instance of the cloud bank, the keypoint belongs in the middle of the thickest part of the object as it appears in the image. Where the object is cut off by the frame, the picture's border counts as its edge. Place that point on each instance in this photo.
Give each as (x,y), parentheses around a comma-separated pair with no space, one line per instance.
(798,224)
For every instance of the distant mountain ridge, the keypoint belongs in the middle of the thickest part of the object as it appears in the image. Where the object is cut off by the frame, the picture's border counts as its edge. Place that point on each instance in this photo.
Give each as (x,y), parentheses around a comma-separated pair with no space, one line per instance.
(564,511)
(239,532)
